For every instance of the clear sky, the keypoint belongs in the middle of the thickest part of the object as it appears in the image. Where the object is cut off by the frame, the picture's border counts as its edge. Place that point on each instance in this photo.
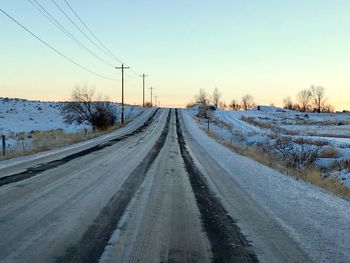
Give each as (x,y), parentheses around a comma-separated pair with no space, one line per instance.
(270,49)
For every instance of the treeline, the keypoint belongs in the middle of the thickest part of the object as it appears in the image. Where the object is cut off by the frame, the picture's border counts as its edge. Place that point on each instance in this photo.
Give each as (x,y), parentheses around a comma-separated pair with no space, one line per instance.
(308,100)
(203,98)
(312,100)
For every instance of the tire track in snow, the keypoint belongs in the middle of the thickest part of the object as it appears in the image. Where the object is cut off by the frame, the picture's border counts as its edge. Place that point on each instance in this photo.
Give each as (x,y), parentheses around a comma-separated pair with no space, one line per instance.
(95,239)
(228,244)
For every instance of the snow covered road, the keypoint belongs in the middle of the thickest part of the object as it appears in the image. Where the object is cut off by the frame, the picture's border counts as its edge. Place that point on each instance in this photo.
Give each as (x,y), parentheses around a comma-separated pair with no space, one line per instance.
(41,217)
(168,193)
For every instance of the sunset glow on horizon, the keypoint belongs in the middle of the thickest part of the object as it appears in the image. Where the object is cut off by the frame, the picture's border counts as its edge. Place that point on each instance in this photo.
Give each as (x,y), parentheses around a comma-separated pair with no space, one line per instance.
(269,49)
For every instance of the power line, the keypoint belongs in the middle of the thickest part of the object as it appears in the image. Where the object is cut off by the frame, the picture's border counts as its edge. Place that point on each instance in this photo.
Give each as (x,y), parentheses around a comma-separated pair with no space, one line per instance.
(53,20)
(77,27)
(94,35)
(54,49)
(96,38)
(63,29)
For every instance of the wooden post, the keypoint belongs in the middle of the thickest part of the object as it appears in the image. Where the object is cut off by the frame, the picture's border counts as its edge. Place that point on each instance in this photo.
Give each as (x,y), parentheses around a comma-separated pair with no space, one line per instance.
(3,145)
(122,68)
(208,122)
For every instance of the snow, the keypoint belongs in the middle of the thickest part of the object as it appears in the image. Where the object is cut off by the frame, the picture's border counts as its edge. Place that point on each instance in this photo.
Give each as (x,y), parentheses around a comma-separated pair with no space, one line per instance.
(272,123)
(234,118)
(19,118)
(25,116)
(316,219)
(20,164)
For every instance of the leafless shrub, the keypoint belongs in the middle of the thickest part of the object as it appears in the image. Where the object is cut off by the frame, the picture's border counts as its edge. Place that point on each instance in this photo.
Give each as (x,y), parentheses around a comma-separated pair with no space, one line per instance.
(204,111)
(296,156)
(84,109)
(103,115)
(148,104)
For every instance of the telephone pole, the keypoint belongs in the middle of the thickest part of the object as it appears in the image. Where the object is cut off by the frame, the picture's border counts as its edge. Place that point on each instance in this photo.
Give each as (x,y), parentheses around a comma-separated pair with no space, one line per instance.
(122,68)
(151,88)
(143,88)
(155,100)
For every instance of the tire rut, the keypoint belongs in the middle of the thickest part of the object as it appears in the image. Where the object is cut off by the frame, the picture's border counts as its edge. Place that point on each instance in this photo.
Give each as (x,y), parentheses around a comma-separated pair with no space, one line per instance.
(228,244)
(95,239)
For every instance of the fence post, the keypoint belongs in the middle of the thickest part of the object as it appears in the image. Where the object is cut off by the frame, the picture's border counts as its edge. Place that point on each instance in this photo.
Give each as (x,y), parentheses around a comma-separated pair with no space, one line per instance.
(3,138)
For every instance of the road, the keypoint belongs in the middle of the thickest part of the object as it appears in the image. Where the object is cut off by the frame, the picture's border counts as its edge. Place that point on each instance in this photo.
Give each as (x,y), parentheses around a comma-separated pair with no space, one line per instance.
(150,195)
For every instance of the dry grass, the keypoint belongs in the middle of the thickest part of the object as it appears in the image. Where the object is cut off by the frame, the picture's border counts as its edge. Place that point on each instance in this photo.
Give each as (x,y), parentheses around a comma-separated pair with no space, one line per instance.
(48,140)
(346,164)
(331,184)
(312,175)
(342,165)
(311,142)
(256,153)
(290,132)
(331,123)
(255,122)
(330,135)
(330,152)
(273,136)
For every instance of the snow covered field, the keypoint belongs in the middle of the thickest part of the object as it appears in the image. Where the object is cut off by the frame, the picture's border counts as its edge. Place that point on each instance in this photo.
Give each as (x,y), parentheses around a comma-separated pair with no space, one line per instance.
(22,121)
(326,133)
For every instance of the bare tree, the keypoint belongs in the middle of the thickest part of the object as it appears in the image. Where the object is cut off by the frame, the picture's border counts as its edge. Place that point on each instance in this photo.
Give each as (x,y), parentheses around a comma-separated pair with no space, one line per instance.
(216,97)
(319,97)
(304,98)
(222,105)
(248,102)
(202,97)
(83,108)
(288,103)
(327,108)
(234,105)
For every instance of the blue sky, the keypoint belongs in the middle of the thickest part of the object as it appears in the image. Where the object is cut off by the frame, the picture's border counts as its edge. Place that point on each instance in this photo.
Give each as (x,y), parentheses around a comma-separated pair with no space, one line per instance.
(270,49)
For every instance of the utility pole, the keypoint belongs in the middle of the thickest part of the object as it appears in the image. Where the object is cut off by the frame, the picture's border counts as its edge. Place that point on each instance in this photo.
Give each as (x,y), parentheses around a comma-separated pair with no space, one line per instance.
(122,68)
(143,88)
(151,88)
(155,100)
